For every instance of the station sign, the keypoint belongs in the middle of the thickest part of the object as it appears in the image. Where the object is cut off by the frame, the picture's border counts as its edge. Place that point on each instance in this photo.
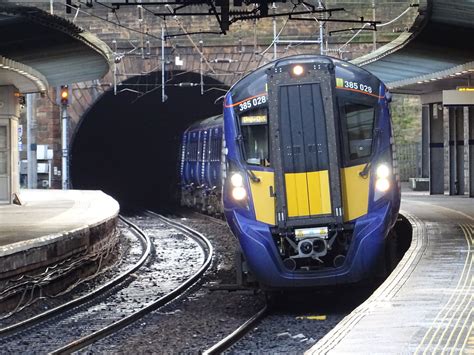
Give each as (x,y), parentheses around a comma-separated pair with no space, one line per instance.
(458,97)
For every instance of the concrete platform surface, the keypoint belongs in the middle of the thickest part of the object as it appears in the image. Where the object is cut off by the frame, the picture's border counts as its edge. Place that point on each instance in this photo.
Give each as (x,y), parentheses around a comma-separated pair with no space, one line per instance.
(426,305)
(73,218)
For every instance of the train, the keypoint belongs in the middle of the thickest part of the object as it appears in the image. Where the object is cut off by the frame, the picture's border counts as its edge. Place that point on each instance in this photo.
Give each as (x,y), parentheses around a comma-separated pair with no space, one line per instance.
(303,166)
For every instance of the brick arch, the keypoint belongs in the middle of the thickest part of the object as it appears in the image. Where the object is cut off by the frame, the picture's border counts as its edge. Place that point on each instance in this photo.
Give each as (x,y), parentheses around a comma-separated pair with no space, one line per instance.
(128,145)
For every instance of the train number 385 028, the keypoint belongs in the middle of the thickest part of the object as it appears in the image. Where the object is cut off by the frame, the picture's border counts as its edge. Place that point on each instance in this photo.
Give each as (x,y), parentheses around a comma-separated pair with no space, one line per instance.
(256,101)
(357,86)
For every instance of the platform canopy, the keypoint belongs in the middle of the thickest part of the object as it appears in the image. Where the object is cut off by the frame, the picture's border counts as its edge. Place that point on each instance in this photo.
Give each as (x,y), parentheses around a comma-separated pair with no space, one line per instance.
(38,50)
(436,53)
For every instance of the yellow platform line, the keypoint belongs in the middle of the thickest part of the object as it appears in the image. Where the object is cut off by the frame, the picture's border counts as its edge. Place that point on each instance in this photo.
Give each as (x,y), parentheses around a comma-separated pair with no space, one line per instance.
(468,334)
(464,277)
(469,340)
(338,333)
(467,307)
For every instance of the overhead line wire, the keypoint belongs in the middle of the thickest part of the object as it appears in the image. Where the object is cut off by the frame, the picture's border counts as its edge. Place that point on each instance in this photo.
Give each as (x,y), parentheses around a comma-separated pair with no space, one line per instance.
(111,22)
(380,25)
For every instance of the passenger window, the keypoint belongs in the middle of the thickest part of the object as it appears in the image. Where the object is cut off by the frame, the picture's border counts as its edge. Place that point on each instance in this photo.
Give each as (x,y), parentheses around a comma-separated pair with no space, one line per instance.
(254,130)
(358,120)
(192,150)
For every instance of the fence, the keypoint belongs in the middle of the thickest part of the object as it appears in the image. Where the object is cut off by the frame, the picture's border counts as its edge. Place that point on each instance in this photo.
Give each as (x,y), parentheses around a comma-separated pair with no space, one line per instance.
(409,160)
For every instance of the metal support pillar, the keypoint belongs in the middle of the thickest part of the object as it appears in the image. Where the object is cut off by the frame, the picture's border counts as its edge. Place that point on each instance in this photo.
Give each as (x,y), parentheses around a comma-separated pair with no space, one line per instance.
(425,135)
(163,95)
(471,151)
(31,127)
(436,149)
(9,174)
(275,39)
(459,144)
(64,143)
(201,69)
(374,33)
(321,37)
(452,150)
(456,151)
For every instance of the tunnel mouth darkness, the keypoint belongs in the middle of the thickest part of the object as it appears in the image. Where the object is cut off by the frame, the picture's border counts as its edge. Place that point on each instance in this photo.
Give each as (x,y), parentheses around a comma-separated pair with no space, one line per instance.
(128,145)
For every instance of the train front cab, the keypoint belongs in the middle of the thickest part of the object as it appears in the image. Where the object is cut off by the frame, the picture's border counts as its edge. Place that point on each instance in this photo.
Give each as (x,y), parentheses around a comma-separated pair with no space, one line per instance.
(312,153)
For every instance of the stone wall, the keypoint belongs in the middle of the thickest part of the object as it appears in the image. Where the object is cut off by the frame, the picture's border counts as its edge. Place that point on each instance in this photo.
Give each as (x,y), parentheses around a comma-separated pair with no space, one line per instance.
(245,47)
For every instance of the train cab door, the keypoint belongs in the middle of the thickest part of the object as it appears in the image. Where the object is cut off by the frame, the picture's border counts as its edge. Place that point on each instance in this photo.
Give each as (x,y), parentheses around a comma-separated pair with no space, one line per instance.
(305,146)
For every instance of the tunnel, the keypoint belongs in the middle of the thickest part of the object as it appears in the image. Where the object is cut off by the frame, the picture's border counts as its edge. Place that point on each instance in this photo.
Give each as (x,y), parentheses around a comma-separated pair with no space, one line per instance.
(128,145)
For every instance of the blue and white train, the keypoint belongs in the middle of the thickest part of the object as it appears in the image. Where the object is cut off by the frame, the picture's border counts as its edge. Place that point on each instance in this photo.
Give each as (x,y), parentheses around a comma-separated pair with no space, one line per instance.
(302,165)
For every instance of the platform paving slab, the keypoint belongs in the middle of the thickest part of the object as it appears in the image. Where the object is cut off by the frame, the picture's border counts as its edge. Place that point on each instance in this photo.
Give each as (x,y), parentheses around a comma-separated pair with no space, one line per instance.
(51,225)
(425,306)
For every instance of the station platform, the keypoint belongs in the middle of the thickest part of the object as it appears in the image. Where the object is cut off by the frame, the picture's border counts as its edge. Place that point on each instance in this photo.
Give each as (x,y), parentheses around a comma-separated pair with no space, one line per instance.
(426,305)
(51,225)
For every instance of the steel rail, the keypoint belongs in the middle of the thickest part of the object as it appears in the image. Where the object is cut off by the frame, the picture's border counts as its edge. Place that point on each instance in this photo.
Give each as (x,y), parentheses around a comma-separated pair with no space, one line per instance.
(114,327)
(144,240)
(213,219)
(233,337)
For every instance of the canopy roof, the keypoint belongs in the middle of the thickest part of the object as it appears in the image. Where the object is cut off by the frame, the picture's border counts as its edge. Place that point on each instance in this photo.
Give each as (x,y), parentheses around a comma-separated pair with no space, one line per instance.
(436,53)
(38,49)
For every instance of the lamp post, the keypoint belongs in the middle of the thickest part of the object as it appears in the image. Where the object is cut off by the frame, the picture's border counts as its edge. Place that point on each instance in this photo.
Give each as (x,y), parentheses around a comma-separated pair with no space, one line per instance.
(64,135)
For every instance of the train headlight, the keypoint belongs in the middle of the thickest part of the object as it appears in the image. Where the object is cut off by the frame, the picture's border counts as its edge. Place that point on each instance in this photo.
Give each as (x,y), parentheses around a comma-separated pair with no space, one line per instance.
(237,180)
(238,190)
(383,171)
(239,193)
(297,70)
(382,182)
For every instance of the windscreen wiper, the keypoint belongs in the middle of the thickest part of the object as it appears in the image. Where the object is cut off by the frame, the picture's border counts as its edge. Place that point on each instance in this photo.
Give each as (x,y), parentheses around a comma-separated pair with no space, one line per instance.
(250,173)
(365,172)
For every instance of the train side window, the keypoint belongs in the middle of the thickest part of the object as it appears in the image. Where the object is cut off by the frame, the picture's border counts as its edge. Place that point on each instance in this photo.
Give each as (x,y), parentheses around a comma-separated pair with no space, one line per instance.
(254,130)
(358,122)
(215,151)
(192,149)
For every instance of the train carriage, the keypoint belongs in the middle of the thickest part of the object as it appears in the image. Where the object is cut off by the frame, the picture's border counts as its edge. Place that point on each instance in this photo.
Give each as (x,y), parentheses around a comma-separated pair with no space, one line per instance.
(200,169)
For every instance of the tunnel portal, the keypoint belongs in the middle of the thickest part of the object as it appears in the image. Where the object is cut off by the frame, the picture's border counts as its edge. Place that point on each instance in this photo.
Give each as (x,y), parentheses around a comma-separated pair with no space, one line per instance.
(127,145)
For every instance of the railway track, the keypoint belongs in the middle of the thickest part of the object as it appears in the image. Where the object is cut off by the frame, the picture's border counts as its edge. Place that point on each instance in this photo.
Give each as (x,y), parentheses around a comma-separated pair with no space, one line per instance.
(20,326)
(237,334)
(98,314)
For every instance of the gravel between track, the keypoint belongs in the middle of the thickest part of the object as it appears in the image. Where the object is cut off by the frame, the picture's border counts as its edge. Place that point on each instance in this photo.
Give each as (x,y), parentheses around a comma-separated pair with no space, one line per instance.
(198,319)
(202,317)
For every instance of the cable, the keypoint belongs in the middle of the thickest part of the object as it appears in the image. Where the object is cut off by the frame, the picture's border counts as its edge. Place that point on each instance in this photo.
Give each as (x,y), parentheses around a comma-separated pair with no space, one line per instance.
(191,40)
(278,35)
(354,36)
(112,22)
(381,25)
(396,18)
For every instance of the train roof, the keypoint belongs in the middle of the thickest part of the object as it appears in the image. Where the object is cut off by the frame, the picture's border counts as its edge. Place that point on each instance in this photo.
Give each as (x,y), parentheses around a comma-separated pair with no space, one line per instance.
(210,122)
(255,82)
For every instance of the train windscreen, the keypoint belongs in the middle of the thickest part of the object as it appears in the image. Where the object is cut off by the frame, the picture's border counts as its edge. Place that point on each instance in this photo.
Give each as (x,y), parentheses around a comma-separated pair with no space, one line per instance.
(358,120)
(254,130)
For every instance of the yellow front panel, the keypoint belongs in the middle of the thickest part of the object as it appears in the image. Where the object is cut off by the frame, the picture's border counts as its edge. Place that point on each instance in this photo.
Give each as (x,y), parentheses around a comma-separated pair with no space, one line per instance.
(319,194)
(355,192)
(297,194)
(263,203)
